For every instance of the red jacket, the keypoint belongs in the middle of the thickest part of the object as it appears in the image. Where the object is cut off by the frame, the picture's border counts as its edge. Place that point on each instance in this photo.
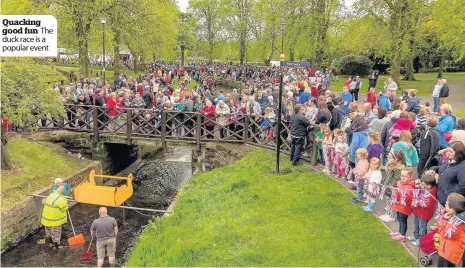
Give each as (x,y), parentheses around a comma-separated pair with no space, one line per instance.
(209,113)
(452,248)
(426,213)
(398,204)
(112,106)
(315,93)
(371,98)
(140,90)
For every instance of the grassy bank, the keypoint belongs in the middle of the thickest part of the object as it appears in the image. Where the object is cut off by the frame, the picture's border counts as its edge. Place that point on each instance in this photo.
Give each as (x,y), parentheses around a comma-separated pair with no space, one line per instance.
(35,167)
(109,74)
(244,215)
(424,82)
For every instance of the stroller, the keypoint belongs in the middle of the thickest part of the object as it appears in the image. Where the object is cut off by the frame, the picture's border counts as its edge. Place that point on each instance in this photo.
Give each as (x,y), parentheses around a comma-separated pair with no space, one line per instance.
(429,245)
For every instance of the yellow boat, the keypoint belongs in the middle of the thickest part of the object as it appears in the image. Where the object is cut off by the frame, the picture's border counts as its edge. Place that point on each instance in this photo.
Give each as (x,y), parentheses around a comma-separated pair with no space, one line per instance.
(89,192)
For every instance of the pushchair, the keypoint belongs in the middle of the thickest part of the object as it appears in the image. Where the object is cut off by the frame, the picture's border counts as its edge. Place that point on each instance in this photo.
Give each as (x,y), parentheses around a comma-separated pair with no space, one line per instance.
(429,246)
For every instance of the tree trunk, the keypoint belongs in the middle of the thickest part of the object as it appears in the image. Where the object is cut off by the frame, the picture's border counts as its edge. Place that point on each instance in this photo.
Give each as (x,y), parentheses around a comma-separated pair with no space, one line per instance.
(210,56)
(441,66)
(6,164)
(135,62)
(183,50)
(409,70)
(117,62)
(291,54)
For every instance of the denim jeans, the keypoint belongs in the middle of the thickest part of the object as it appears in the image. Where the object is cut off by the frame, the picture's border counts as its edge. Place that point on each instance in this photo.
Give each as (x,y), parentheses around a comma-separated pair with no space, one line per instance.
(402,218)
(360,190)
(419,228)
(436,104)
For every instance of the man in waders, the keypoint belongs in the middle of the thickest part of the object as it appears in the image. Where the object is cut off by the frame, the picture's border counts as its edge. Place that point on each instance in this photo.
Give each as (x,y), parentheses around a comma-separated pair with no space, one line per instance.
(54,216)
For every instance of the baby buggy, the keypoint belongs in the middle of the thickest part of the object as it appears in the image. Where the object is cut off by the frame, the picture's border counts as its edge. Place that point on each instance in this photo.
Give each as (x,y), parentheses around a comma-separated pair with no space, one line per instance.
(429,244)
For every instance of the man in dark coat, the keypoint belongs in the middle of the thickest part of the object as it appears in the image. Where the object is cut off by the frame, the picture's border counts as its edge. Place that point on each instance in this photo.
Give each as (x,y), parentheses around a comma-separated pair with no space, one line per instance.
(336,114)
(299,125)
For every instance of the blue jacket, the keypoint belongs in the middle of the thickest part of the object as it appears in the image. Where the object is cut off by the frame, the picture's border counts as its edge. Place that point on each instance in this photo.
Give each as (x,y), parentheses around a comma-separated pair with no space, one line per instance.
(65,185)
(304,97)
(347,97)
(384,102)
(359,140)
(446,124)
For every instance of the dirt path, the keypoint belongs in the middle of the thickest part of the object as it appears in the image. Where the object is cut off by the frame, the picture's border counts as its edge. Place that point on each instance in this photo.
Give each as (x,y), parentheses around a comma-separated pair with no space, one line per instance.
(456,95)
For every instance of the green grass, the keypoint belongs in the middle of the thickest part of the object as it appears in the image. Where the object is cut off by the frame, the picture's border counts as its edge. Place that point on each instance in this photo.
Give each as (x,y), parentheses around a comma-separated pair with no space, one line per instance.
(424,82)
(34,167)
(244,215)
(109,74)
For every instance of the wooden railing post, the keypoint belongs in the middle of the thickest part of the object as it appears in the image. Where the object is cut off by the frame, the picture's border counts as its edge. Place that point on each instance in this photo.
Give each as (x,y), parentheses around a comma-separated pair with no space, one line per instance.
(95,120)
(198,131)
(246,129)
(128,125)
(163,128)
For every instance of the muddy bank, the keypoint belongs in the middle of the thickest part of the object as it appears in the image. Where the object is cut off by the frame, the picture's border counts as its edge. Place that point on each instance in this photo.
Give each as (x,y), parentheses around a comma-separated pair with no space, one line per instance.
(158,177)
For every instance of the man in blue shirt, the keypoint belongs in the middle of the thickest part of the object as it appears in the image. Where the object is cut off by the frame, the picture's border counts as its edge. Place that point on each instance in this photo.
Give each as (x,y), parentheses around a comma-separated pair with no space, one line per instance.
(383,101)
(347,98)
(59,182)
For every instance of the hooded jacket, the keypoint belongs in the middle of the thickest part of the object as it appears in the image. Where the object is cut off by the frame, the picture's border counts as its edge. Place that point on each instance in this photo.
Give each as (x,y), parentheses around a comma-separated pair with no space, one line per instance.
(444,91)
(384,102)
(400,125)
(410,152)
(446,124)
(413,105)
(398,204)
(359,140)
(452,248)
(429,143)
(385,132)
(426,213)
(336,118)
(392,175)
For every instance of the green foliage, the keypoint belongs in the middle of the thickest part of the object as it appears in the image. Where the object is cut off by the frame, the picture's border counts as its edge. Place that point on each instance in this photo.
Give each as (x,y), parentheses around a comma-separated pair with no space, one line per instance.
(447,20)
(35,167)
(355,65)
(25,98)
(244,215)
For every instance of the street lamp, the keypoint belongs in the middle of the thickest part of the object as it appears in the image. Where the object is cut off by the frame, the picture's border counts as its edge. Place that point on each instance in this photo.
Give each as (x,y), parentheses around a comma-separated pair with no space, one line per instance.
(280,106)
(103,21)
(282,36)
(280,99)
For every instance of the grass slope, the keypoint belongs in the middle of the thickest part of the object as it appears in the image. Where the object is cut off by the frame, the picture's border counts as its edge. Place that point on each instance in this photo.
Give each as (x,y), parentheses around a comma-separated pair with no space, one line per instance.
(424,82)
(244,215)
(35,166)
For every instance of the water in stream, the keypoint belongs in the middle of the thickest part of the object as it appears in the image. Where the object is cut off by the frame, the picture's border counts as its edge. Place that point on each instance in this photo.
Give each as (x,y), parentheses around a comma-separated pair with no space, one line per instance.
(157,180)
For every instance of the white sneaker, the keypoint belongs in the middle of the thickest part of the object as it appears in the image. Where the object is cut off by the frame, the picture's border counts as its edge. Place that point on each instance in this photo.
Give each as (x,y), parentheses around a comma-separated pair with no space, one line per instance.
(411,238)
(383,217)
(388,219)
(325,170)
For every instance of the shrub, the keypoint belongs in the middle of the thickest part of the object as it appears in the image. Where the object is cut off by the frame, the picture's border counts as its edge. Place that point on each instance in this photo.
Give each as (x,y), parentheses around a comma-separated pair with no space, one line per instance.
(356,65)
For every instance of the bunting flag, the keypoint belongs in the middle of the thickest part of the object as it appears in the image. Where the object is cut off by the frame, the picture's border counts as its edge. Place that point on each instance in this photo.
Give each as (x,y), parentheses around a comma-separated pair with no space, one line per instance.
(439,213)
(403,197)
(381,194)
(451,226)
(415,197)
(394,196)
(424,198)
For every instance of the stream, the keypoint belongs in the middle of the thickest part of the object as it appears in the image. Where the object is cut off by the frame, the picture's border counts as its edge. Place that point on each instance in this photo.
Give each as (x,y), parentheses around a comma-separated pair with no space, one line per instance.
(157,178)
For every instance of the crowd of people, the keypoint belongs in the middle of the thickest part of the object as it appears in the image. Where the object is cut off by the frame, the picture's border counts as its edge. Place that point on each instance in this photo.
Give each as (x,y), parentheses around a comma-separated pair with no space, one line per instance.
(388,146)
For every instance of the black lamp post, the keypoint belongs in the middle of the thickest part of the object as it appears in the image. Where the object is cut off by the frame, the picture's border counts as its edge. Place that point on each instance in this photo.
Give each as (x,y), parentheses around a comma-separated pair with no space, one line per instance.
(103,21)
(280,99)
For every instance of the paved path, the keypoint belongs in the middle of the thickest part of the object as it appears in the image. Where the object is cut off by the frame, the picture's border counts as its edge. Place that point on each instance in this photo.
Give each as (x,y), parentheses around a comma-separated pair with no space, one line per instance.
(393,226)
(456,96)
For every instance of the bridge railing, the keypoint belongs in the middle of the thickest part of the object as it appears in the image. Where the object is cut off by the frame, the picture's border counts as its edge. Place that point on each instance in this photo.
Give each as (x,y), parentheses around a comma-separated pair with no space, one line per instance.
(170,125)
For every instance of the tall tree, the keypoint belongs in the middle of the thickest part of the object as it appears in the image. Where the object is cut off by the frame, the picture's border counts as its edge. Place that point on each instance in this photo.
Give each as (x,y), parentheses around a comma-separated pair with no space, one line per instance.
(207,13)
(185,34)
(24,98)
